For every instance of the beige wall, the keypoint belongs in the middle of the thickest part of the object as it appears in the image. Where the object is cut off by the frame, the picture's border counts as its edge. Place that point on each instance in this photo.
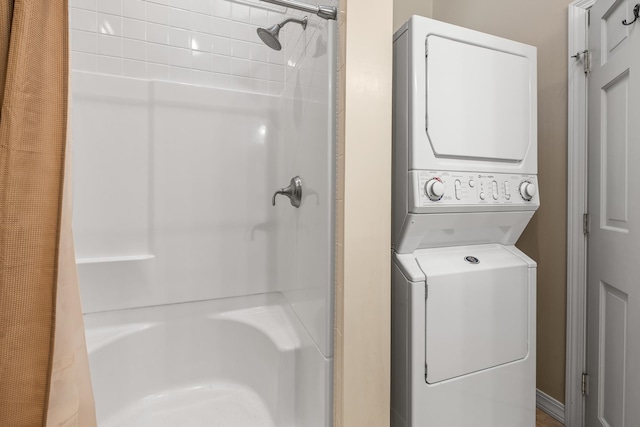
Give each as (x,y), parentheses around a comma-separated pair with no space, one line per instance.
(363,288)
(403,9)
(541,23)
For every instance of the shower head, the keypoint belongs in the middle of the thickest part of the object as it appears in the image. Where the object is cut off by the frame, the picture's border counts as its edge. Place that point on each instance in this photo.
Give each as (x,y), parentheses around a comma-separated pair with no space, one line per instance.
(270,36)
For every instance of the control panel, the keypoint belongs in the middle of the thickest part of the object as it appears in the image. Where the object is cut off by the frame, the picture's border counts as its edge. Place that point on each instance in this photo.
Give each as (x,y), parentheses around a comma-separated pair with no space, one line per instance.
(429,189)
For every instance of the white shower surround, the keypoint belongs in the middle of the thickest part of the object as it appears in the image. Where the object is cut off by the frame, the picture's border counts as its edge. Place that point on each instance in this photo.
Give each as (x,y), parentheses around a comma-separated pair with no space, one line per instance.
(172,195)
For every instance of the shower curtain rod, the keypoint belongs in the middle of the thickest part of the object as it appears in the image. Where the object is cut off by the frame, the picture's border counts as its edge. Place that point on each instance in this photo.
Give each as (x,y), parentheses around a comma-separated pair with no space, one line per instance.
(326,12)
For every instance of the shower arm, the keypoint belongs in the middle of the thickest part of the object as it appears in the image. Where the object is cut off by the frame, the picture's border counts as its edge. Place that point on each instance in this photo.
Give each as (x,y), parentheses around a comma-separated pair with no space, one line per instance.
(302,22)
(326,12)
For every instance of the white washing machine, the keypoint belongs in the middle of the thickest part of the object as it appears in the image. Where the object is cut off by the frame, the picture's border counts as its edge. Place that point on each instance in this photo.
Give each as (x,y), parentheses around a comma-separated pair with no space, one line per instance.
(464,189)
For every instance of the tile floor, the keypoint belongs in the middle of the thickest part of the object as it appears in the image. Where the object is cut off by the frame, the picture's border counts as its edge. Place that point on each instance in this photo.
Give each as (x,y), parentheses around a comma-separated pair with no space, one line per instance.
(544,420)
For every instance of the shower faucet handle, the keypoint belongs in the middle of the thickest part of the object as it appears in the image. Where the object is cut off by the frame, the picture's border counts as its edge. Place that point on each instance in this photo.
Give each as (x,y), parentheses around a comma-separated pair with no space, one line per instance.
(293,192)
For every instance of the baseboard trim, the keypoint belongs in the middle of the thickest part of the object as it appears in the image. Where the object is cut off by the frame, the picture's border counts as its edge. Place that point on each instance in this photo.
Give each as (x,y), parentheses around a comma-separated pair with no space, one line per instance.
(551,406)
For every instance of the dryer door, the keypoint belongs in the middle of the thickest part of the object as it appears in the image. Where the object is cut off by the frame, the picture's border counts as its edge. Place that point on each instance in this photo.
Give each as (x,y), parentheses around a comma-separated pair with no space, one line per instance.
(478,101)
(477,309)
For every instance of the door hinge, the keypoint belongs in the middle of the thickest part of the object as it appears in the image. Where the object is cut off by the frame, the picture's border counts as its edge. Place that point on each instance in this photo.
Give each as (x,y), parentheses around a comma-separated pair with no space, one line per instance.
(426,291)
(426,370)
(585,384)
(588,17)
(585,223)
(586,62)
(585,57)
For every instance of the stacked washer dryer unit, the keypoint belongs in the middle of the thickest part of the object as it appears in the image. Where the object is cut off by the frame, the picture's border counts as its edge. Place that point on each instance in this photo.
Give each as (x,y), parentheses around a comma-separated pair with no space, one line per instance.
(465,165)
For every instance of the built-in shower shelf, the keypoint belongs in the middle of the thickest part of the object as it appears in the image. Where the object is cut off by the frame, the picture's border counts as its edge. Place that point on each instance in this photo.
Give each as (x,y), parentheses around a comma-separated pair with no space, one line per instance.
(114,259)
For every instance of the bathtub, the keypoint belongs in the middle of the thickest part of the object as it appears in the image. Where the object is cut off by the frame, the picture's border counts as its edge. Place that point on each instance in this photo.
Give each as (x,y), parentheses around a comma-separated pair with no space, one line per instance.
(235,362)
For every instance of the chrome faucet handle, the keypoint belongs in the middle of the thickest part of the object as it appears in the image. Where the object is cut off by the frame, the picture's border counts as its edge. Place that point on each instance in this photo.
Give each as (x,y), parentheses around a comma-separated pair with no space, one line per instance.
(293,192)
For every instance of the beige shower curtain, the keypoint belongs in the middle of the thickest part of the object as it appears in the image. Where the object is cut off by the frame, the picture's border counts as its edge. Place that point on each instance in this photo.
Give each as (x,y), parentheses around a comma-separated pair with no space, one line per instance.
(44,376)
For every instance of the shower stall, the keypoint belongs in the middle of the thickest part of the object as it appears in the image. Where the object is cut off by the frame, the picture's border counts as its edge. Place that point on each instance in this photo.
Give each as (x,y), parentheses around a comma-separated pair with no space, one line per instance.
(208,296)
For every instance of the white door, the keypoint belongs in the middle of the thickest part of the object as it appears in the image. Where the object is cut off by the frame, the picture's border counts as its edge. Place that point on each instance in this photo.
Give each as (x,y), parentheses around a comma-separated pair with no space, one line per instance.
(613,289)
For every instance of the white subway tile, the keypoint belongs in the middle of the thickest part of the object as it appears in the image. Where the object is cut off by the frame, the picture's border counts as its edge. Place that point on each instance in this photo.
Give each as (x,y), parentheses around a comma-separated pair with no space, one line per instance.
(201,6)
(240,67)
(240,12)
(275,18)
(259,52)
(84,41)
(201,60)
(221,45)
(180,18)
(134,29)
(157,71)
(182,4)
(136,9)
(158,53)
(221,27)
(259,17)
(221,8)
(135,69)
(81,61)
(109,45)
(241,31)
(134,49)
(276,73)
(109,24)
(201,23)
(110,6)
(179,38)
(180,75)
(85,20)
(157,13)
(260,70)
(109,65)
(84,4)
(157,33)
(202,42)
(205,42)
(221,64)
(241,49)
(276,56)
(180,57)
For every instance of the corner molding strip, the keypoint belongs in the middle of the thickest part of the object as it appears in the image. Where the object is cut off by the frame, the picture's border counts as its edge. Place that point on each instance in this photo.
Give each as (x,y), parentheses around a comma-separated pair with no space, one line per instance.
(326,12)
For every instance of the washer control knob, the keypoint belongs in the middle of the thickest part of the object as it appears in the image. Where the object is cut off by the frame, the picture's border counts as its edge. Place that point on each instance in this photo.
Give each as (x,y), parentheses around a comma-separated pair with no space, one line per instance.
(482,196)
(434,189)
(528,190)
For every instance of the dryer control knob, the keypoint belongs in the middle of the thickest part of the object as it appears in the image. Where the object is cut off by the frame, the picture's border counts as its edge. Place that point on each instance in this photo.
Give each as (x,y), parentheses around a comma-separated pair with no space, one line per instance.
(434,189)
(528,190)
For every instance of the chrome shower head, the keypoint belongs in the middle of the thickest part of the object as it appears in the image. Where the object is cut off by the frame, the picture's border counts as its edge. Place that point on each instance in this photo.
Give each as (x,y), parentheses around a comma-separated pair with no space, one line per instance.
(270,36)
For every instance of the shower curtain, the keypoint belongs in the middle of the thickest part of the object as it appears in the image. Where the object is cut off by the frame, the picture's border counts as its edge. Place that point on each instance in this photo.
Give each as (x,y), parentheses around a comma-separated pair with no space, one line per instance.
(44,376)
